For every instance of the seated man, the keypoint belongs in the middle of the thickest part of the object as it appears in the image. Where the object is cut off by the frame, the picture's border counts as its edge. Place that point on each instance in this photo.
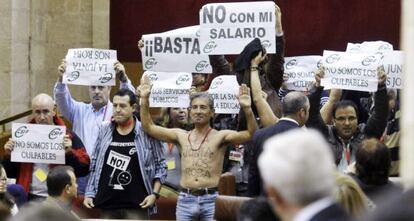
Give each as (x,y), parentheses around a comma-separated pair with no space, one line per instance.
(299,176)
(61,188)
(43,108)
(127,167)
(202,149)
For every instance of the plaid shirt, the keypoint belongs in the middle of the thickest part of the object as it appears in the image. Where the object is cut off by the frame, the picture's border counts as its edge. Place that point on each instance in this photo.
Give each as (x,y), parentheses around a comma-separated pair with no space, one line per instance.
(150,155)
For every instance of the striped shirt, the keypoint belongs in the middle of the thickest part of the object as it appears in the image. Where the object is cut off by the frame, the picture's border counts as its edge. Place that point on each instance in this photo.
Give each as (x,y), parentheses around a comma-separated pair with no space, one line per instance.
(150,155)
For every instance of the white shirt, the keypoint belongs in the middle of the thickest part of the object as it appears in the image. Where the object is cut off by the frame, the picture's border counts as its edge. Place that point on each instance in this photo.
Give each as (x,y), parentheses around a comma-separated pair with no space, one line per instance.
(312,209)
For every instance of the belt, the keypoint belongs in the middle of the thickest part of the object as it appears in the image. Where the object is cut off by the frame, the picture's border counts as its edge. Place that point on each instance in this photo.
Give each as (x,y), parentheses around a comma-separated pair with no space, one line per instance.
(200,192)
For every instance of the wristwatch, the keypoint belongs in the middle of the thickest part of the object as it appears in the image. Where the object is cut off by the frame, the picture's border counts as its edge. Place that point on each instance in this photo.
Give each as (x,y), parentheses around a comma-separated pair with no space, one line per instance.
(157,195)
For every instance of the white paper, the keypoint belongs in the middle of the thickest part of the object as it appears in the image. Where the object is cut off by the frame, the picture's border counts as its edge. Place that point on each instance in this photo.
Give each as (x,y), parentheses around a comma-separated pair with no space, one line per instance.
(36,143)
(226,28)
(225,92)
(169,89)
(369,46)
(301,71)
(350,71)
(175,51)
(393,66)
(90,66)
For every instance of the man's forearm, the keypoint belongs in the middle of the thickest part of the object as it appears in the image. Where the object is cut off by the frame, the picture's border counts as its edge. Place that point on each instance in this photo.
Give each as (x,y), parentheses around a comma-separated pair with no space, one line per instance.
(146,119)
(157,186)
(251,121)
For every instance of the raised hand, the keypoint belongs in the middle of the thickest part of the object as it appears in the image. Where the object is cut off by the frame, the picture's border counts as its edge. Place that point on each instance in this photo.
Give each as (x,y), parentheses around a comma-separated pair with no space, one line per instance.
(144,89)
(320,73)
(62,69)
(244,96)
(120,71)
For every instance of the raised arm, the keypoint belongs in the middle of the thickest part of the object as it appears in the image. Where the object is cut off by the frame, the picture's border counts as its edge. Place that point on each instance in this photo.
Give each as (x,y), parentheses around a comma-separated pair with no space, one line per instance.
(67,105)
(125,83)
(267,117)
(378,120)
(160,133)
(240,137)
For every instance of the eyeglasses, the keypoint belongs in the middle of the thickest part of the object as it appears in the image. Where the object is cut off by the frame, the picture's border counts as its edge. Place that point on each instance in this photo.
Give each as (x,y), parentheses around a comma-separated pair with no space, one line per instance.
(344,119)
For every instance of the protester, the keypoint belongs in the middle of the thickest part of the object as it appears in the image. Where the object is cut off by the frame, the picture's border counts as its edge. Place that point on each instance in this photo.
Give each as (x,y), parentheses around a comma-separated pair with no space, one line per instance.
(201,149)
(127,167)
(299,176)
(27,174)
(173,118)
(87,118)
(345,135)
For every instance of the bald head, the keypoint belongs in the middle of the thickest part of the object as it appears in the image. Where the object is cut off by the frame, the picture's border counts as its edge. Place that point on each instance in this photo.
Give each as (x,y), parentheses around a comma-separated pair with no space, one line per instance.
(43,109)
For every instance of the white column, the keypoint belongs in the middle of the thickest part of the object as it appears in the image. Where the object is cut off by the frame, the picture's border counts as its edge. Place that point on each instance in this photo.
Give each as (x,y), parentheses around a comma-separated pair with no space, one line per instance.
(407,102)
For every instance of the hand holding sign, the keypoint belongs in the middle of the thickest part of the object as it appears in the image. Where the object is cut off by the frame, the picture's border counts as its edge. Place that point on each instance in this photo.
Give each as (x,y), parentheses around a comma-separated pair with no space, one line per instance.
(382,77)
(67,142)
(244,96)
(8,147)
(320,73)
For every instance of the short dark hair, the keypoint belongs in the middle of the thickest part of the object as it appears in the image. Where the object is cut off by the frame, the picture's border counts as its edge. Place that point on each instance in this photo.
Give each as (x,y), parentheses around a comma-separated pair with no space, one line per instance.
(373,162)
(57,179)
(293,102)
(127,92)
(344,104)
(203,95)
(257,209)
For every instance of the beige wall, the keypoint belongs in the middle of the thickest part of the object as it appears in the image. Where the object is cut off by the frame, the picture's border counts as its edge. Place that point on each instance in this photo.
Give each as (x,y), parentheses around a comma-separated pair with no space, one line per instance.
(35,36)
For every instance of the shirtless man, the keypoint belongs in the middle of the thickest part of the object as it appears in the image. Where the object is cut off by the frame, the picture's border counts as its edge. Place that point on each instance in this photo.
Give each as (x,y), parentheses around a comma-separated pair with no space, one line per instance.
(202,151)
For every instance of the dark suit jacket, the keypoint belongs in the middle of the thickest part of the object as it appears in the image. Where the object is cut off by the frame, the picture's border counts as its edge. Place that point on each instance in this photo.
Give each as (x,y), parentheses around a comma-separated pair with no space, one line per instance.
(331,213)
(259,137)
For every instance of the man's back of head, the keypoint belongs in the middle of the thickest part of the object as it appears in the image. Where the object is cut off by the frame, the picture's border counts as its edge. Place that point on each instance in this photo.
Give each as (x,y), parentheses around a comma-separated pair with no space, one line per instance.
(296,105)
(299,166)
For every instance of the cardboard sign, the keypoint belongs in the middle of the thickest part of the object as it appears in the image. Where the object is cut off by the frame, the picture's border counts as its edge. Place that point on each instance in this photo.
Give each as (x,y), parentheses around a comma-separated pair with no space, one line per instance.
(226,28)
(350,71)
(169,89)
(225,92)
(301,71)
(393,66)
(175,51)
(90,66)
(369,47)
(36,143)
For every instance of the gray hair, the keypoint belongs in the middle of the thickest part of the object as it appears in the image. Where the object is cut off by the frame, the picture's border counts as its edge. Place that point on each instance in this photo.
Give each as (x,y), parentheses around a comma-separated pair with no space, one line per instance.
(203,95)
(293,102)
(299,165)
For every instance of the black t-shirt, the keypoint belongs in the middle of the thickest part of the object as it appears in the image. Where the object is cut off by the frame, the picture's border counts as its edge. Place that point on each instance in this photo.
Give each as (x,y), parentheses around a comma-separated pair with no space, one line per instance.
(121,184)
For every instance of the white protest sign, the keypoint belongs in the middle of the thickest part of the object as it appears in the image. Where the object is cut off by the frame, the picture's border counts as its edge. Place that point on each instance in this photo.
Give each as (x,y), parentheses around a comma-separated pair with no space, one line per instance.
(350,71)
(301,71)
(118,161)
(393,66)
(225,91)
(369,46)
(90,66)
(36,143)
(226,28)
(175,51)
(169,89)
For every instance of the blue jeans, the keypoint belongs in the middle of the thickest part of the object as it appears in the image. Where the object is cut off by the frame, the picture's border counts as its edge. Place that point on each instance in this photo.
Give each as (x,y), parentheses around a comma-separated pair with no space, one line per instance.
(190,207)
